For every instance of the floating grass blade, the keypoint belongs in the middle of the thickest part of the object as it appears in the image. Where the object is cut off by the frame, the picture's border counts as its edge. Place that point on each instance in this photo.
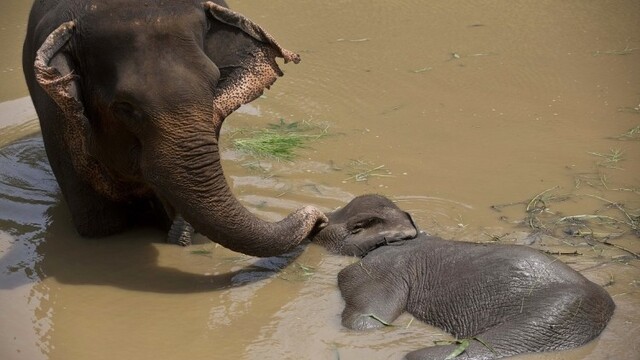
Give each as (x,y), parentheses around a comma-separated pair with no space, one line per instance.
(421,70)
(283,126)
(611,159)
(377,318)
(626,51)
(202,252)
(540,198)
(485,344)
(632,134)
(363,172)
(588,217)
(297,272)
(462,346)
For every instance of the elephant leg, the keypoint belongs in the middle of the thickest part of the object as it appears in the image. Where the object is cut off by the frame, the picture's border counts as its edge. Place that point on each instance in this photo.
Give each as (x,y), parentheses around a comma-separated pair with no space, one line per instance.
(373,298)
(181,232)
(92,214)
(507,339)
(475,351)
(95,215)
(548,320)
(374,313)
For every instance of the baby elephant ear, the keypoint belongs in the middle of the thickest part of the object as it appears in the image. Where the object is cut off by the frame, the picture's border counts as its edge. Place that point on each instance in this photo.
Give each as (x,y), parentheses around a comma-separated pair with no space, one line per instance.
(233,18)
(413,223)
(246,67)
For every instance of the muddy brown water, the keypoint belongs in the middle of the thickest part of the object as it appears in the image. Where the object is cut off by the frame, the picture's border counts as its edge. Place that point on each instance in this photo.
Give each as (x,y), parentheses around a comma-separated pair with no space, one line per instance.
(448,107)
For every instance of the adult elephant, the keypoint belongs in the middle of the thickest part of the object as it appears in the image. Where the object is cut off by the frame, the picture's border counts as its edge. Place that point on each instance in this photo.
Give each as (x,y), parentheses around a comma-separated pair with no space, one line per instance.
(503,300)
(131,96)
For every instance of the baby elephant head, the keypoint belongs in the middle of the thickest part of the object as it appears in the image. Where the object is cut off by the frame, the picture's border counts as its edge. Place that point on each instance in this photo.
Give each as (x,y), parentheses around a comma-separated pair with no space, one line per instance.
(364,224)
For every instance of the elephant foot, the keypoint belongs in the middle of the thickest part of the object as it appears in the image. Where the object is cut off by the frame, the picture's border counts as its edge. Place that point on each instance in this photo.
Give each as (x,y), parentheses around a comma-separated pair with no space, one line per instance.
(474,351)
(181,232)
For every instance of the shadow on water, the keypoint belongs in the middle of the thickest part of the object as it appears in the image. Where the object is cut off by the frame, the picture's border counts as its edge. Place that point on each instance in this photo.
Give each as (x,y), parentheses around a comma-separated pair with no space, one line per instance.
(41,242)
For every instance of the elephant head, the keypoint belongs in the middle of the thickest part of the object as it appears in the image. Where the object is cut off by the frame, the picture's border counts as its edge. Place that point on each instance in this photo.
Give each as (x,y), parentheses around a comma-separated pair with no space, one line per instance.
(364,224)
(144,90)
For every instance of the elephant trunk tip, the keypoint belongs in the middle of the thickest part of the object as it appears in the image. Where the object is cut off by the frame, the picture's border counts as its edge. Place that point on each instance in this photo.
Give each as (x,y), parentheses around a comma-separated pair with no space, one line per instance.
(288,233)
(308,220)
(315,218)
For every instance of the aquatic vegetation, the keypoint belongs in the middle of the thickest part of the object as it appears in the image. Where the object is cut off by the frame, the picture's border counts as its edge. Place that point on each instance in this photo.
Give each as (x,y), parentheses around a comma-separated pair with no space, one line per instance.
(271,144)
(610,159)
(421,70)
(611,220)
(462,346)
(278,141)
(201,252)
(632,134)
(362,171)
(297,272)
(626,51)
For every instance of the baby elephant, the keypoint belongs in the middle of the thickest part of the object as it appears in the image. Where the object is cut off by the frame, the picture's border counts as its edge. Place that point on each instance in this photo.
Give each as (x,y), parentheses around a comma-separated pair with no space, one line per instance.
(505,299)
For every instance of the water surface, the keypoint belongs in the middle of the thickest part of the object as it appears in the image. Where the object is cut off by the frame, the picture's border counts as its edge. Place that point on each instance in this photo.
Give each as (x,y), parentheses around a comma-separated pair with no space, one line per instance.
(461,112)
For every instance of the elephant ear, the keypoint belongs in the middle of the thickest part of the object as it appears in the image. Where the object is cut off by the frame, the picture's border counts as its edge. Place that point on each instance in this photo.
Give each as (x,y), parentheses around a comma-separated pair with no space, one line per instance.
(54,72)
(245,54)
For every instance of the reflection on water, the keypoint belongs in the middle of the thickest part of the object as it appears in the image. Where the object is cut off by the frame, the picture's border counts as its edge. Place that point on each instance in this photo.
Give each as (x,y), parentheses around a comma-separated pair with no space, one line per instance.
(135,293)
(27,192)
(41,252)
(471,109)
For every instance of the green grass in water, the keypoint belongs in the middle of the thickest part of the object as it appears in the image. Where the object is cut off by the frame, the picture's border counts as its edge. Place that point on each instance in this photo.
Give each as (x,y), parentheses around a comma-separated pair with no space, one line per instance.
(271,144)
(278,141)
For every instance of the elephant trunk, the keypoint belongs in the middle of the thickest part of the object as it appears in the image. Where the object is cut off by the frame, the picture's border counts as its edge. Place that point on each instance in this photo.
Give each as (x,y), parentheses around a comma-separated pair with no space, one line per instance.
(195,185)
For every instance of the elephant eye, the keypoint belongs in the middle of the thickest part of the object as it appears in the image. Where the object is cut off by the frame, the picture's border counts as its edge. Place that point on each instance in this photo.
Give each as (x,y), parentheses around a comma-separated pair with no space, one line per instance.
(124,110)
(128,114)
(122,107)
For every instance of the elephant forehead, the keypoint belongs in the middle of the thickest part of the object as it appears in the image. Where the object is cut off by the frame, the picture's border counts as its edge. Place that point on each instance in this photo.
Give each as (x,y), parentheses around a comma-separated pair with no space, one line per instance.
(125,52)
(365,204)
(128,20)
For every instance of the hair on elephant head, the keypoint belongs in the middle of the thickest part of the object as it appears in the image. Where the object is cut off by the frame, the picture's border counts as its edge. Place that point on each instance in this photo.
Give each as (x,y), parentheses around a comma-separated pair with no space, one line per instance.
(131,96)
(503,299)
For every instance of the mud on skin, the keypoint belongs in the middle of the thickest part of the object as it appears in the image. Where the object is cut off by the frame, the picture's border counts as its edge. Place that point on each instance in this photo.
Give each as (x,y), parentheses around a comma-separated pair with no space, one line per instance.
(506,299)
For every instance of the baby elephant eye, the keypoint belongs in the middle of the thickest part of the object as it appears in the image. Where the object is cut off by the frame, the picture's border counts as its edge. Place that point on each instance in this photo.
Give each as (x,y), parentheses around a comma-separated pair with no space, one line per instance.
(365,224)
(356,229)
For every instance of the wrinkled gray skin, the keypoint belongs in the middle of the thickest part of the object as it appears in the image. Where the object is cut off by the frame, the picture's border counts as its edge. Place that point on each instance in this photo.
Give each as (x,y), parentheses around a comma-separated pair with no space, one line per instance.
(512,298)
(131,96)
(367,222)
